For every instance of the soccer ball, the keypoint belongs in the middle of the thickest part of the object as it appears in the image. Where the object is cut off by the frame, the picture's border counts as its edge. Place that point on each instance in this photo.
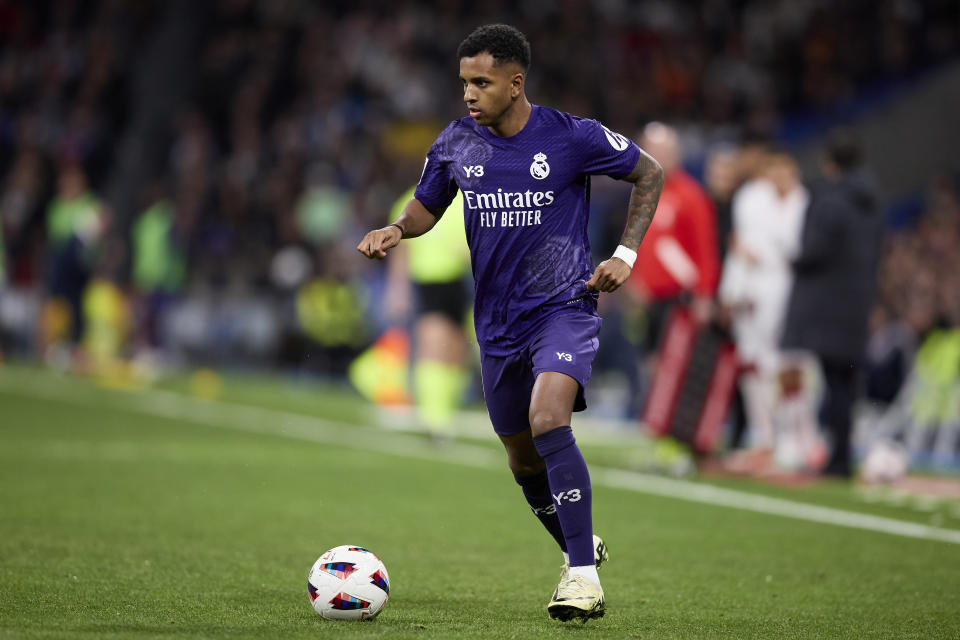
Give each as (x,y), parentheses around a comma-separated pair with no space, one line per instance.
(886,462)
(348,583)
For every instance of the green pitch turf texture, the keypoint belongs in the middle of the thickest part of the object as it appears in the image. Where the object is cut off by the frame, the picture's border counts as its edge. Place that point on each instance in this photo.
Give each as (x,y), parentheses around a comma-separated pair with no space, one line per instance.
(155,514)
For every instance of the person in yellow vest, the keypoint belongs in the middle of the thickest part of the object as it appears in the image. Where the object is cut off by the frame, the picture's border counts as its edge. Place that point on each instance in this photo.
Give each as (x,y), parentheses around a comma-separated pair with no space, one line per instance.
(433,271)
(158,266)
(76,221)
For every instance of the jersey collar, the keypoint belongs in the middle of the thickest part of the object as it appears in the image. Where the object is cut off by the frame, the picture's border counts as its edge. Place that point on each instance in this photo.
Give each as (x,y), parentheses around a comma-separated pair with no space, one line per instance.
(518,136)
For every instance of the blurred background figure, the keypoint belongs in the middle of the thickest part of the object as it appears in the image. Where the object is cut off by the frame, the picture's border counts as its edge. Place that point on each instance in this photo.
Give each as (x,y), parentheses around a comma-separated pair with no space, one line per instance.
(676,271)
(722,178)
(76,224)
(331,311)
(677,262)
(835,274)
(913,363)
(768,213)
(724,174)
(429,278)
(157,270)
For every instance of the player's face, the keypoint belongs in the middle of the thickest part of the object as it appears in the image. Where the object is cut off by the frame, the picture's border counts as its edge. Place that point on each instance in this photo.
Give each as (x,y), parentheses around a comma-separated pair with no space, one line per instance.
(488,89)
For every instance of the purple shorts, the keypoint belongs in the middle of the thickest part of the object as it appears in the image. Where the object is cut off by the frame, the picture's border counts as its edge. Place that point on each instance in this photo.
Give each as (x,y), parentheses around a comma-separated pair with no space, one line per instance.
(566,343)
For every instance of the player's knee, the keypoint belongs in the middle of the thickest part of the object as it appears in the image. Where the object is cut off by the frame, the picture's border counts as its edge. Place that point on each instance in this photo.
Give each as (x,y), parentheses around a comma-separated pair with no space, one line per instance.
(525,461)
(526,468)
(546,419)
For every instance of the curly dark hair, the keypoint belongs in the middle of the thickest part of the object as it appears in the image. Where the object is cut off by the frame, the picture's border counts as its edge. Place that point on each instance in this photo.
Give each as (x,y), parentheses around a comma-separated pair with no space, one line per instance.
(503,42)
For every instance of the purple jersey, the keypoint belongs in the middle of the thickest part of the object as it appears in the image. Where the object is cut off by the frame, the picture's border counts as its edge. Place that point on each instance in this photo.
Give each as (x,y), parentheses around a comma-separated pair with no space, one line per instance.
(525,204)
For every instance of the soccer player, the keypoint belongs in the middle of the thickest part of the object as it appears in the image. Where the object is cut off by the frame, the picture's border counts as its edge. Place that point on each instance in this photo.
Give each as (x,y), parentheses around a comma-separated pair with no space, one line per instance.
(524,171)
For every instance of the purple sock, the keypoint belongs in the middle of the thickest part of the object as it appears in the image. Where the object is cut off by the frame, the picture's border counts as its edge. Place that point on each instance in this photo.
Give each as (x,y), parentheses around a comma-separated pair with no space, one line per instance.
(570,488)
(536,489)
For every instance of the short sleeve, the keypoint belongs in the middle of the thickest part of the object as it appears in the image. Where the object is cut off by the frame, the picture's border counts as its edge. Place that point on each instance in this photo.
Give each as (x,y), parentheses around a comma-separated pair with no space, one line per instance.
(436,188)
(605,152)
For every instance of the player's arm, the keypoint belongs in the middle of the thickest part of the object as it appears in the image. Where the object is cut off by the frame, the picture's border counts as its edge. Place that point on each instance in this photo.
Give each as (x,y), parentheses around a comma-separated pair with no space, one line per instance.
(415,220)
(647,179)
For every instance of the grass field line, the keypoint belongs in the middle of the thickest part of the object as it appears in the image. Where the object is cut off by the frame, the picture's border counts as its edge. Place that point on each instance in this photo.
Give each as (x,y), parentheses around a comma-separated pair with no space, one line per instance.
(719,496)
(263,421)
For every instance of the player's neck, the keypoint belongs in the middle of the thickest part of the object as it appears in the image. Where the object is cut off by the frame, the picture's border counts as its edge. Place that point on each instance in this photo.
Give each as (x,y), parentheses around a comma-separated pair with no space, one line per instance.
(514,120)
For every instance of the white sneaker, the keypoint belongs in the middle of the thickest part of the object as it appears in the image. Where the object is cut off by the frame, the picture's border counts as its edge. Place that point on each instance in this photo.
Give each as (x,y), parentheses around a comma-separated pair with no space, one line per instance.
(577,597)
(562,609)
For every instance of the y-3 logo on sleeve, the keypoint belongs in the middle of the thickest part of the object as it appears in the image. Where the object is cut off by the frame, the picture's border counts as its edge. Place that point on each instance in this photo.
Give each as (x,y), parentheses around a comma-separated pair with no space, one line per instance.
(564,356)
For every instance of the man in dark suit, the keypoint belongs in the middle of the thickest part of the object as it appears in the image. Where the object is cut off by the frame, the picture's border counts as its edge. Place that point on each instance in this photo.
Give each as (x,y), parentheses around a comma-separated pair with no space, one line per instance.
(835,278)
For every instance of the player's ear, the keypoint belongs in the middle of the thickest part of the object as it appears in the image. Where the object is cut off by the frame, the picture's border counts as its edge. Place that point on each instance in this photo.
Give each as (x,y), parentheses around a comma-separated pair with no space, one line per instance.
(516,85)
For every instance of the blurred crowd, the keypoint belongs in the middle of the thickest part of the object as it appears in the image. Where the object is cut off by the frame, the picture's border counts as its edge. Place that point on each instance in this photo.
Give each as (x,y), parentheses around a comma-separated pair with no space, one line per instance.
(299,123)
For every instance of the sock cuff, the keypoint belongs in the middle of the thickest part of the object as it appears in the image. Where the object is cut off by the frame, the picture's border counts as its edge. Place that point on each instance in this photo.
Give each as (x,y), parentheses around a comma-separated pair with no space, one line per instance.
(554,440)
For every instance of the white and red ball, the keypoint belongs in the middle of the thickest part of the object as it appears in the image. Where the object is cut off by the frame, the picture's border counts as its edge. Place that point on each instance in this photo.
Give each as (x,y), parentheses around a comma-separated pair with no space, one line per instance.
(885,463)
(348,583)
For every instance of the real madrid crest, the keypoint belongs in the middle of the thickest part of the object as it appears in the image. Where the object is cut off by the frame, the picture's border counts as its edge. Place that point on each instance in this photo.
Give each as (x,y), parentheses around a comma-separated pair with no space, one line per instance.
(539,168)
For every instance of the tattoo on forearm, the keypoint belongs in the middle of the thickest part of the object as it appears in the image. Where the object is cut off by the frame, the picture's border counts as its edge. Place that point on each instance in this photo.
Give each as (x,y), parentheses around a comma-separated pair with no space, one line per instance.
(643,200)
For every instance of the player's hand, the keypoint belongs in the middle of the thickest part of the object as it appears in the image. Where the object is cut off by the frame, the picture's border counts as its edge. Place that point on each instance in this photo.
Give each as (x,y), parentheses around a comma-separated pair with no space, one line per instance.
(609,275)
(376,243)
(702,309)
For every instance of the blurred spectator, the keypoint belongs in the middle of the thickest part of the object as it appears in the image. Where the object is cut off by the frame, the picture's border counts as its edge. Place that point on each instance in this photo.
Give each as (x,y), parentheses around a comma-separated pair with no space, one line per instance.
(322,209)
(933,394)
(678,258)
(721,180)
(768,216)
(158,266)
(76,223)
(432,272)
(913,379)
(727,169)
(834,281)
(890,353)
(21,207)
(330,310)
(107,325)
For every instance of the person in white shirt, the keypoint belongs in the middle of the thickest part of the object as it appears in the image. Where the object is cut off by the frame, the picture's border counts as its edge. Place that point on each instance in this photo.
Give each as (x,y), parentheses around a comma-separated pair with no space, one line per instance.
(768,213)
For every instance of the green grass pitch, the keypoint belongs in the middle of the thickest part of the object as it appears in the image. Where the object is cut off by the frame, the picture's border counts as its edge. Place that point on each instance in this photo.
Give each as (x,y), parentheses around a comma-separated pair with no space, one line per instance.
(158,515)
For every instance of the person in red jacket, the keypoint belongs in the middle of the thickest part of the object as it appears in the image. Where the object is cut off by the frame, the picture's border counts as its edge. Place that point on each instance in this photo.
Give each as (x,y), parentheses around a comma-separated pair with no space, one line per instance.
(677,261)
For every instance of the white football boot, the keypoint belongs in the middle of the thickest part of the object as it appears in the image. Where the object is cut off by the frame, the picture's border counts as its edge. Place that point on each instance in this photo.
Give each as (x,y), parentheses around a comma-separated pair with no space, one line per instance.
(578,597)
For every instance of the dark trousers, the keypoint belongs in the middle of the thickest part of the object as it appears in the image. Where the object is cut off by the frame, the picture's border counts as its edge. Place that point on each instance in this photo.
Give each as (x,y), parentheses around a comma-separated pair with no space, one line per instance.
(658,316)
(836,414)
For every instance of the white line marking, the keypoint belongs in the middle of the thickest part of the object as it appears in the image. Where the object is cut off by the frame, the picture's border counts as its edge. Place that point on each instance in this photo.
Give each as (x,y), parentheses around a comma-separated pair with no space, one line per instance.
(235,417)
(718,496)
